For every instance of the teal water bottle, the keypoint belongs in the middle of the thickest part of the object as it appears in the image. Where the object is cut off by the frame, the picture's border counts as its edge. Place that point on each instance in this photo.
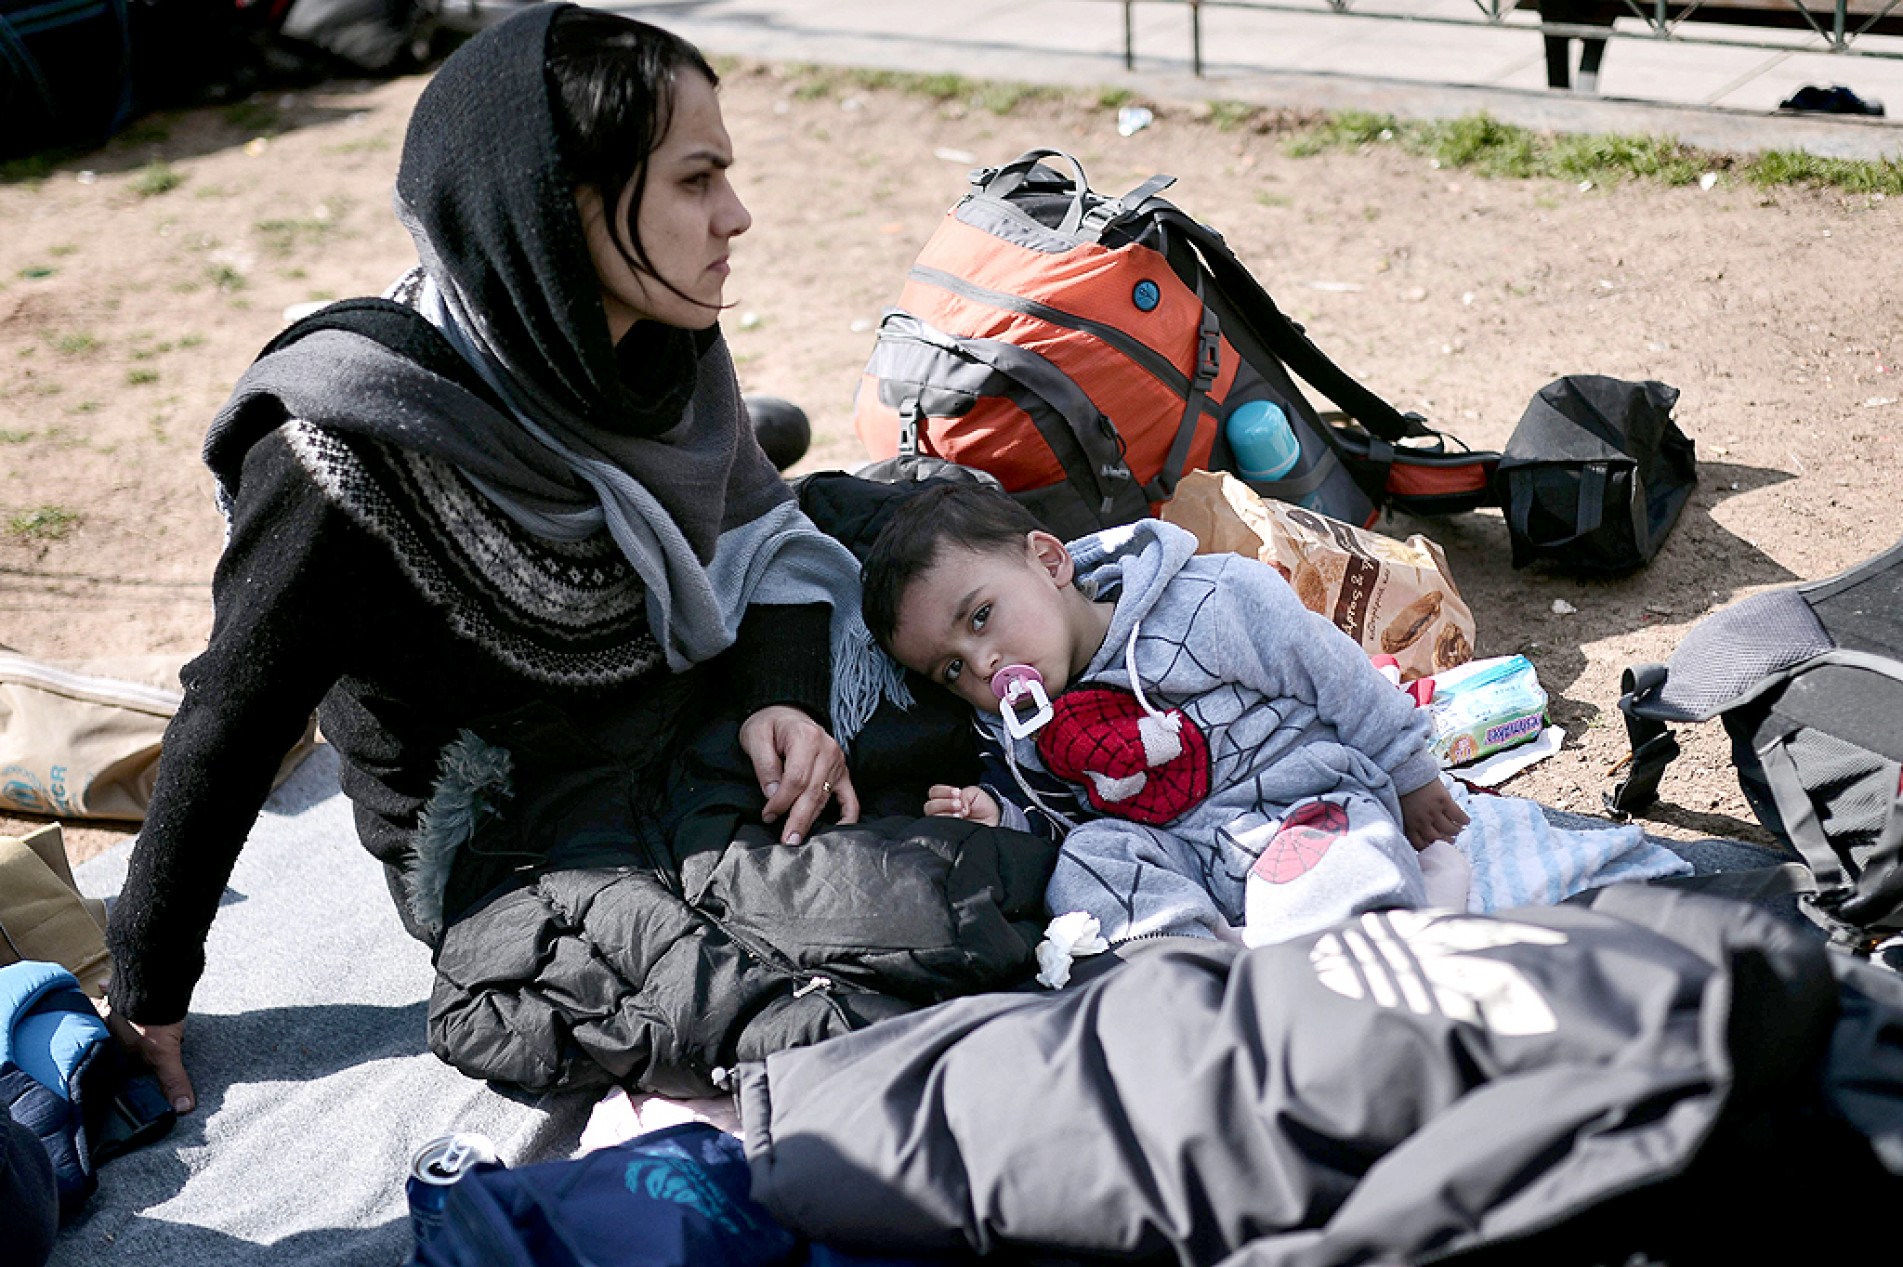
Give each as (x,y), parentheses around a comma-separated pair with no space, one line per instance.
(1265,445)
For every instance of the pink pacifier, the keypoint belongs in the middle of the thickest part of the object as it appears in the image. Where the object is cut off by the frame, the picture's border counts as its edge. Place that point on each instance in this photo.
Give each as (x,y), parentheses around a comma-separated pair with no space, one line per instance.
(1014,683)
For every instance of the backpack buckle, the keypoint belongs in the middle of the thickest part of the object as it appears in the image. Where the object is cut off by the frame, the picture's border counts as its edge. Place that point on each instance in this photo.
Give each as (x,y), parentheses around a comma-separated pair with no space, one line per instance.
(1208,358)
(909,414)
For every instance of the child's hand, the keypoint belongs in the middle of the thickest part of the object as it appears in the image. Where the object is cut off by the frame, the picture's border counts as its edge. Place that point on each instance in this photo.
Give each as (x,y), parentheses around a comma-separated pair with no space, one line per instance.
(1429,813)
(971,803)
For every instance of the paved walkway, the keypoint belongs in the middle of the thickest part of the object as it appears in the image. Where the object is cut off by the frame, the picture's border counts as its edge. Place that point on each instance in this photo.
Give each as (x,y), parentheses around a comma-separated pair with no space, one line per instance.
(1720,97)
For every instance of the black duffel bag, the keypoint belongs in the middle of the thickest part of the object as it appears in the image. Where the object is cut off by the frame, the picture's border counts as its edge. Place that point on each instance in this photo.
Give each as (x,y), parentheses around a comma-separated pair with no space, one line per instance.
(1595,474)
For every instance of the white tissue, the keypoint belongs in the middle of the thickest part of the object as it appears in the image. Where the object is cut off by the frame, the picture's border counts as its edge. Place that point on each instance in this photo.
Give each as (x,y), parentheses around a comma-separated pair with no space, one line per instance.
(1066,938)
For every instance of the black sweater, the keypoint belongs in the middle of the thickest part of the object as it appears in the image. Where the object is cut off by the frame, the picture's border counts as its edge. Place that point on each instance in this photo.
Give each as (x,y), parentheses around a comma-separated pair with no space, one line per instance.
(330,599)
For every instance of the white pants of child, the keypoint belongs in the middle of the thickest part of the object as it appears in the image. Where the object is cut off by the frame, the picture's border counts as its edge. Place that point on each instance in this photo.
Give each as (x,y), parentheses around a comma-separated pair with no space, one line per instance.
(1262,879)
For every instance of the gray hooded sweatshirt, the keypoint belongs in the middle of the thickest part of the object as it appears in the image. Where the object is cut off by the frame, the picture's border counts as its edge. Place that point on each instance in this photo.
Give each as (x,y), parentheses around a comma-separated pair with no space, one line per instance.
(1291,712)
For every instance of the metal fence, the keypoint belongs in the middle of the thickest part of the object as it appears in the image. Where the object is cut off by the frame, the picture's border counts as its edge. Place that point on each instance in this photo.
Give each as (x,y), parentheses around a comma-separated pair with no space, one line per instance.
(1839,24)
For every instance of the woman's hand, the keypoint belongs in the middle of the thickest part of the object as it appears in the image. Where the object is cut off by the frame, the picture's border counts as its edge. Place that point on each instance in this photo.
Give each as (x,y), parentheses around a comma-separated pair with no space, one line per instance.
(973,804)
(158,1046)
(800,768)
(1430,813)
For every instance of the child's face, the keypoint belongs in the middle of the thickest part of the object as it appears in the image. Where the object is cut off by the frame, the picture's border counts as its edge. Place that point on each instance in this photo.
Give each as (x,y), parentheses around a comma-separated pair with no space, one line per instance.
(973,612)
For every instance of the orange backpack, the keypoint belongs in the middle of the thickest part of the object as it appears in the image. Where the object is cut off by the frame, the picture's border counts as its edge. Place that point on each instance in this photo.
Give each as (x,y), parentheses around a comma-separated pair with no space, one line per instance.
(1085,350)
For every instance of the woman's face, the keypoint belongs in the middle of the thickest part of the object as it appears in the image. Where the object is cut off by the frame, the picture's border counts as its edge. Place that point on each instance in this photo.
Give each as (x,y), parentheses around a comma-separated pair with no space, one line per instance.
(689,214)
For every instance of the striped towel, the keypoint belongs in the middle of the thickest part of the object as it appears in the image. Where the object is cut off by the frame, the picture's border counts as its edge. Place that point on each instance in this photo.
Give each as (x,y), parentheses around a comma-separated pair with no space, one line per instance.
(1521,859)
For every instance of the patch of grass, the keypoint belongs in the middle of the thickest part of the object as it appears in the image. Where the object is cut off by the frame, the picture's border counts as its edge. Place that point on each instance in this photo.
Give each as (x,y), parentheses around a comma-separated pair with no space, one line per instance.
(1349,130)
(62,250)
(86,407)
(42,523)
(188,340)
(212,191)
(141,377)
(1603,155)
(1230,115)
(14,437)
(77,343)
(1268,199)
(146,131)
(1483,142)
(282,237)
(814,85)
(34,272)
(155,178)
(225,277)
(1857,176)
(362,145)
(1115,98)
(1488,147)
(32,168)
(1003,98)
(254,117)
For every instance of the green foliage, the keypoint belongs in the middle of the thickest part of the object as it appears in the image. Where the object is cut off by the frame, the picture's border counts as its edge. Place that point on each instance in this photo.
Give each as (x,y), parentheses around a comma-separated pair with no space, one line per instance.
(1789,167)
(1482,142)
(254,117)
(140,377)
(43,523)
(31,169)
(1230,115)
(77,343)
(155,178)
(281,237)
(1488,147)
(1604,155)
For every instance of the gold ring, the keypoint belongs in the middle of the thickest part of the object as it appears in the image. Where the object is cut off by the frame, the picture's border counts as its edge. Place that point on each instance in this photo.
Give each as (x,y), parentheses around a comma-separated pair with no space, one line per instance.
(827,788)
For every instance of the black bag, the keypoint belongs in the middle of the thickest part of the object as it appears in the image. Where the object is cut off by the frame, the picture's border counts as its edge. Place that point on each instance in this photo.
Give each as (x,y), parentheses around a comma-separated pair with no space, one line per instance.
(65,73)
(1595,474)
(1809,682)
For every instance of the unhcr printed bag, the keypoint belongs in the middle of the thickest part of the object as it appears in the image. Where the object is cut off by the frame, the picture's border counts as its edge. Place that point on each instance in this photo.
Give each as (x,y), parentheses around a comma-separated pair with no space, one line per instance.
(82,740)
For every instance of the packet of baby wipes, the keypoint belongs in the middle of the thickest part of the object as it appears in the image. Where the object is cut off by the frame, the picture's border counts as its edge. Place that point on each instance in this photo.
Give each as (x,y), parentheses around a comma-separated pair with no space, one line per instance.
(1485,706)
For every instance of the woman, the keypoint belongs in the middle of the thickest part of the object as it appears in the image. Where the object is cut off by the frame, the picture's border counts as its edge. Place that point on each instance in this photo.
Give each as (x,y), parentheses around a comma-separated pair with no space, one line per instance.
(509,532)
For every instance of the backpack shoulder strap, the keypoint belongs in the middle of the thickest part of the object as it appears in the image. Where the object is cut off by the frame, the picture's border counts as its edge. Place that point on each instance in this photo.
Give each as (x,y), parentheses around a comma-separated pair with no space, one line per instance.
(1652,744)
(1287,340)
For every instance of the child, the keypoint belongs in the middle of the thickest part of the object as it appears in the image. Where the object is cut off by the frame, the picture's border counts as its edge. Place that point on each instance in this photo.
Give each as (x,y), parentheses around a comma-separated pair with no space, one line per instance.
(1246,764)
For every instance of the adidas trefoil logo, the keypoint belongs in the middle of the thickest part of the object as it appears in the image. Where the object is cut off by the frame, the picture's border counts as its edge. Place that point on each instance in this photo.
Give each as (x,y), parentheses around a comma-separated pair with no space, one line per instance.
(1422,961)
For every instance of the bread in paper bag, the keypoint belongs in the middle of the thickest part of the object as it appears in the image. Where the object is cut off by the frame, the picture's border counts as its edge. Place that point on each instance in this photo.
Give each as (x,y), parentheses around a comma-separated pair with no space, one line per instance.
(1393,597)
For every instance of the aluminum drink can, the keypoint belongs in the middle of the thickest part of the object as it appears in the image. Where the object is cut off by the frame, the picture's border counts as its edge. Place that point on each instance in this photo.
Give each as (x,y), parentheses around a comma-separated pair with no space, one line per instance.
(433,1170)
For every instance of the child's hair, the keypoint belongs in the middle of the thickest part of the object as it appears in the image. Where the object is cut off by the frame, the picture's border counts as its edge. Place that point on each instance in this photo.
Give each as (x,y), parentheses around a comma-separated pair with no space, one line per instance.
(970,516)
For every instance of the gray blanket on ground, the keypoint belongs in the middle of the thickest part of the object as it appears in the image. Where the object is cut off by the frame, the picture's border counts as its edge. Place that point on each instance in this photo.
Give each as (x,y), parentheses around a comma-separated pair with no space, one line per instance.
(306,1048)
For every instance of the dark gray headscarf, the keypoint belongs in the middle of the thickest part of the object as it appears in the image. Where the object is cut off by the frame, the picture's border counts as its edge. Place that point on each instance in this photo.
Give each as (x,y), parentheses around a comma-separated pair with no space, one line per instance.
(649,440)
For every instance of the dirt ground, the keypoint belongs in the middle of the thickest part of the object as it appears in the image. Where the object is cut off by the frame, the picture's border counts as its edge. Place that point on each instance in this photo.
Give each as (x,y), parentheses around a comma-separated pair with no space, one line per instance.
(132,294)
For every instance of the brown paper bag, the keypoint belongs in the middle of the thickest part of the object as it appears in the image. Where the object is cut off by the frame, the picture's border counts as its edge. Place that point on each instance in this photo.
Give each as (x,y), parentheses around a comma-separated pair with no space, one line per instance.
(43,917)
(1393,597)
